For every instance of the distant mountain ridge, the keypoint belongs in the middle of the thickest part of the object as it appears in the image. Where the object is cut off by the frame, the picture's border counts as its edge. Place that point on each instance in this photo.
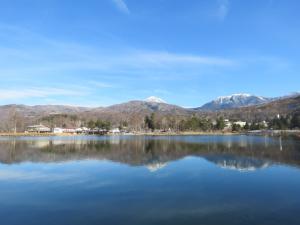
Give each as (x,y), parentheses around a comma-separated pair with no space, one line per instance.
(143,106)
(235,107)
(234,101)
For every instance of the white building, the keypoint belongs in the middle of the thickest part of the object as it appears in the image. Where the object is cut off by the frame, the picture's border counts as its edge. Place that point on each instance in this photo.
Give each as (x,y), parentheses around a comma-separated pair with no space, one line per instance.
(85,129)
(69,130)
(58,130)
(115,131)
(38,129)
(228,124)
(240,123)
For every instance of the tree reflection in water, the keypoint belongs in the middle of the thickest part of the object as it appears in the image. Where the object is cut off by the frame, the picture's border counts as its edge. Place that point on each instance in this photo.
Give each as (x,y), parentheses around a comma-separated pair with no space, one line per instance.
(233,152)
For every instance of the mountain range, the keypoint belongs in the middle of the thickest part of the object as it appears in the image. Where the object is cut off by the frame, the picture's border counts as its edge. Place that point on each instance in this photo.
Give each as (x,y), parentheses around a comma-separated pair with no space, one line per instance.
(237,106)
(234,101)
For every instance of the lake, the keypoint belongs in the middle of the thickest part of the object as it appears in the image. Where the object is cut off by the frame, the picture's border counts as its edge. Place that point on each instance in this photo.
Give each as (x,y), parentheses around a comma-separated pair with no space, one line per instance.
(150,180)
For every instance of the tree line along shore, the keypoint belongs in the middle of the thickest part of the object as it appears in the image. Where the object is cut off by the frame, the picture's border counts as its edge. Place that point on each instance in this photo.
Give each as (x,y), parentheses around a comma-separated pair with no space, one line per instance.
(144,117)
(152,125)
(295,133)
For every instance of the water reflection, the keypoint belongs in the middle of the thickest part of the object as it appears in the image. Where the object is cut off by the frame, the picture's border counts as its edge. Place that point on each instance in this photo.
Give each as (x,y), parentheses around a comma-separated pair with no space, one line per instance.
(149,180)
(239,163)
(232,152)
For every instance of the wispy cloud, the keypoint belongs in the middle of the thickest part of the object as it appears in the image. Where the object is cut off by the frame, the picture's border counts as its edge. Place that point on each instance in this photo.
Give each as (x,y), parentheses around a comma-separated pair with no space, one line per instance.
(122,6)
(223,9)
(159,57)
(41,55)
(34,65)
(100,84)
(7,94)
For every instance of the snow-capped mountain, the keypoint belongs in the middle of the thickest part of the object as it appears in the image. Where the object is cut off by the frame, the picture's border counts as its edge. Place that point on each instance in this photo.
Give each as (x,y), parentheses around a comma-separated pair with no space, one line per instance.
(154,99)
(234,101)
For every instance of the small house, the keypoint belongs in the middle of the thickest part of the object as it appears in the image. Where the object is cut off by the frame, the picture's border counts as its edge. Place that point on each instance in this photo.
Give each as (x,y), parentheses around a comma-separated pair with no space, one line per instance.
(38,129)
(228,124)
(240,123)
(69,130)
(115,131)
(58,130)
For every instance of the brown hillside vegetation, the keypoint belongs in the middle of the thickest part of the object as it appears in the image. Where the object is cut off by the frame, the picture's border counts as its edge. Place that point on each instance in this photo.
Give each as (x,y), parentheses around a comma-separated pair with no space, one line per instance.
(133,114)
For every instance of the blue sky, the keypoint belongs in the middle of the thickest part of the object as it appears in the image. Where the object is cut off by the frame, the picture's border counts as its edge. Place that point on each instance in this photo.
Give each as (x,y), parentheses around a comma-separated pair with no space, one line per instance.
(102,52)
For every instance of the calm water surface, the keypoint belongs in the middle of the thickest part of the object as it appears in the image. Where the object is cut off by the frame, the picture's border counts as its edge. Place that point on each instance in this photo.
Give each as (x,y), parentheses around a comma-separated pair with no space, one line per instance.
(150,180)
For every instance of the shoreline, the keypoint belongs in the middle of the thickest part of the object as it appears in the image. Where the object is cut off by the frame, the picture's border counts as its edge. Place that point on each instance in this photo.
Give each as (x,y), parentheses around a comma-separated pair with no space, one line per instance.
(121,134)
(188,133)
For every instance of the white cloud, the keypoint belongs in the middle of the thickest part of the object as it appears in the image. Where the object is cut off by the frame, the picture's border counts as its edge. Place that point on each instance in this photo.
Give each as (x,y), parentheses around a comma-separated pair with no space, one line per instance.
(163,58)
(41,56)
(121,5)
(100,84)
(32,72)
(6,94)
(223,9)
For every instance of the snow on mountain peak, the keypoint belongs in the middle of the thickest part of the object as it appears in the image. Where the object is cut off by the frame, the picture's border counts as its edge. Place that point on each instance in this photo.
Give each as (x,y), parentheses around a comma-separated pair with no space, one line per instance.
(244,95)
(234,101)
(154,99)
(238,97)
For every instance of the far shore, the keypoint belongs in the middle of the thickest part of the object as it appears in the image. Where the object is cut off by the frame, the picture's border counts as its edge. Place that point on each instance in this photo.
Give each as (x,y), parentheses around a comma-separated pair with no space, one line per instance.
(186,133)
(133,134)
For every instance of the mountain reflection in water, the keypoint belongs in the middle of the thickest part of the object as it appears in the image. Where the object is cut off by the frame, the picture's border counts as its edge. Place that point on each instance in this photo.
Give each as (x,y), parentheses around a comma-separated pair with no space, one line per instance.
(243,153)
(134,180)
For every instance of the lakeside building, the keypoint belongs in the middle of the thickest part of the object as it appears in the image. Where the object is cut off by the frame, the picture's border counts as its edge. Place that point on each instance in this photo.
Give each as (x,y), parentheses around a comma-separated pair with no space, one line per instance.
(115,131)
(228,124)
(82,130)
(38,129)
(240,123)
(97,130)
(69,130)
(58,130)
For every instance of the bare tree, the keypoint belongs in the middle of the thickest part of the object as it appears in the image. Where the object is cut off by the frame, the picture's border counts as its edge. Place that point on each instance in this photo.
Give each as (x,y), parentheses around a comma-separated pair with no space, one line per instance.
(16,121)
